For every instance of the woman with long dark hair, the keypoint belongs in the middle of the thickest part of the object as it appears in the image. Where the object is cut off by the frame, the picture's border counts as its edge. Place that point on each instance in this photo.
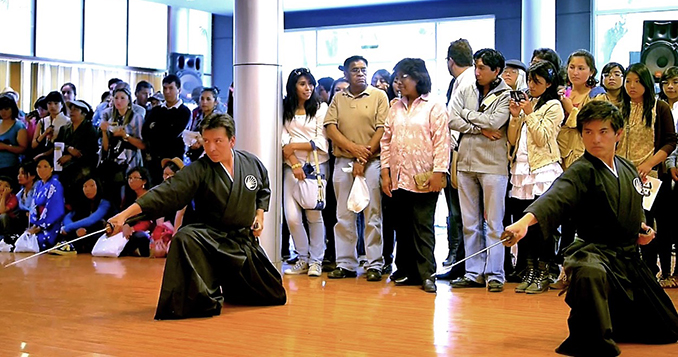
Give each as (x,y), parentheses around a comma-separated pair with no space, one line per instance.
(13,137)
(303,133)
(139,240)
(209,102)
(338,86)
(535,164)
(89,213)
(611,79)
(649,137)
(48,127)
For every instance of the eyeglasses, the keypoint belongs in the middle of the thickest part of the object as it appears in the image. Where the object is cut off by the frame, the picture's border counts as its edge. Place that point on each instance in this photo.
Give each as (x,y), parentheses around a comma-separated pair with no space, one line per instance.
(356,70)
(401,78)
(300,71)
(673,82)
(612,75)
(134,178)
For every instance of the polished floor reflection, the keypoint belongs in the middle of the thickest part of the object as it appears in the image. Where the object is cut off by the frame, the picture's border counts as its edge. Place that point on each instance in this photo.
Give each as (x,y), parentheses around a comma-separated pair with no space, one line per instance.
(85,306)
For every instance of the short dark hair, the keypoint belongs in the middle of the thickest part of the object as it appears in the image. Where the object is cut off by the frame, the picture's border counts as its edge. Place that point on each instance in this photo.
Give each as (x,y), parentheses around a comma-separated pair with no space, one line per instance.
(75,91)
(105,95)
(671,72)
(491,58)
(113,81)
(29,167)
(143,172)
(415,68)
(172,78)
(218,120)
(352,59)
(600,110)
(326,83)
(7,102)
(460,52)
(143,85)
(40,103)
(56,97)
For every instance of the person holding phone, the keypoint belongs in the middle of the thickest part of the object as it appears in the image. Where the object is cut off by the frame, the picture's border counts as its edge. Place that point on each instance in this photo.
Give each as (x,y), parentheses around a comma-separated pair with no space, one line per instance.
(535,164)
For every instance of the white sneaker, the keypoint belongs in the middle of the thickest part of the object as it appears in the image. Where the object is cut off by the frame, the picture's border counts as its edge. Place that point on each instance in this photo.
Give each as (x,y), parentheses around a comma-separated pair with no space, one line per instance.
(300,268)
(315,269)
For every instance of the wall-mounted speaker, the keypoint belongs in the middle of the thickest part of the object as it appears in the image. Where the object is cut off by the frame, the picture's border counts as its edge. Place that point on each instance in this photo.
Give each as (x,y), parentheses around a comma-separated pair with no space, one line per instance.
(189,68)
(659,49)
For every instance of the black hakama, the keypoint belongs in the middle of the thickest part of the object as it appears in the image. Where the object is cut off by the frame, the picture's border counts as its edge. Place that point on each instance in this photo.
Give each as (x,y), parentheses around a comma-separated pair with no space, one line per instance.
(215,257)
(612,294)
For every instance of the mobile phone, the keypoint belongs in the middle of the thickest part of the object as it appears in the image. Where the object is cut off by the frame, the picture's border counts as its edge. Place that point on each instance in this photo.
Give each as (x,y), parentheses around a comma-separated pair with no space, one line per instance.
(517,95)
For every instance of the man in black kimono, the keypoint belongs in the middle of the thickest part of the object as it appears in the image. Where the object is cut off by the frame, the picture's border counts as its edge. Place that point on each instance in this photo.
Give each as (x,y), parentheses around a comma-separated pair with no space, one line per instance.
(612,293)
(217,257)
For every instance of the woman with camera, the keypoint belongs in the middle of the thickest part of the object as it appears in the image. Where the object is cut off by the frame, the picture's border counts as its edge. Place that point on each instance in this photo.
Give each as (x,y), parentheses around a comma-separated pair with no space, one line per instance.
(535,164)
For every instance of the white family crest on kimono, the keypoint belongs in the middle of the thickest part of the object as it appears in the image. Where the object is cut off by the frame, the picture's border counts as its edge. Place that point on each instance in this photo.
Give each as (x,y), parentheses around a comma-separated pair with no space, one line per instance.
(250,182)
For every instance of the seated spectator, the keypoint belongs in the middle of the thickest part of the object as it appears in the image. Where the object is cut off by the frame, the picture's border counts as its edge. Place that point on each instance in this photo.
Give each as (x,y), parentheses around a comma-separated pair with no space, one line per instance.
(81,147)
(169,169)
(89,214)
(48,127)
(13,137)
(163,128)
(69,93)
(209,100)
(26,179)
(8,208)
(105,104)
(46,216)
(138,183)
(121,144)
(167,227)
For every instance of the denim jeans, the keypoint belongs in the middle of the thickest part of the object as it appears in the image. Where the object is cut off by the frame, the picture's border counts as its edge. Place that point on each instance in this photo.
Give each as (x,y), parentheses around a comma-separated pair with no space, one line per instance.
(481,197)
(345,232)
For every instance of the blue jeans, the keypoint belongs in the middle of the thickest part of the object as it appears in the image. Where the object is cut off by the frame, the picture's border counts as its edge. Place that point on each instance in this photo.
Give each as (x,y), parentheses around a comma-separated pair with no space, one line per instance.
(345,231)
(481,197)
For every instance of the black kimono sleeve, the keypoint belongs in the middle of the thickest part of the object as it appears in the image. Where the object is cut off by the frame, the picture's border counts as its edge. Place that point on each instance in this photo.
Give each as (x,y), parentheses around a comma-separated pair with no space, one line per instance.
(175,193)
(562,198)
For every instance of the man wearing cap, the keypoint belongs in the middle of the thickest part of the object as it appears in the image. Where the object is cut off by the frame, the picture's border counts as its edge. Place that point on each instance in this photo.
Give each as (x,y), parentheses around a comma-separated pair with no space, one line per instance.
(163,128)
(514,75)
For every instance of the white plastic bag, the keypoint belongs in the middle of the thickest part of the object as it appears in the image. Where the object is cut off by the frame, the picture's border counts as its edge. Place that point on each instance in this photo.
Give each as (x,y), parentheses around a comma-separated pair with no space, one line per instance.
(27,243)
(109,246)
(359,197)
(4,247)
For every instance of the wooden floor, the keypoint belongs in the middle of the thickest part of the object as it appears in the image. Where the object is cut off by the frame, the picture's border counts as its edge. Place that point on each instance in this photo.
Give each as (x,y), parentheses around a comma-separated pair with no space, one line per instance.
(85,306)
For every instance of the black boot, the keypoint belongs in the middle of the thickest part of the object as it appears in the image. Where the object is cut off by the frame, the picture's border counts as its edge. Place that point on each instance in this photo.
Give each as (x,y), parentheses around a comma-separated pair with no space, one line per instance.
(528,277)
(541,281)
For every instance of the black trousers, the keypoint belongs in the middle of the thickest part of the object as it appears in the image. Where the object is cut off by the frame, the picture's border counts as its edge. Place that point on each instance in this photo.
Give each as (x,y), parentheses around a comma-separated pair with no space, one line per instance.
(388,228)
(207,266)
(455,229)
(534,245)
(414,214)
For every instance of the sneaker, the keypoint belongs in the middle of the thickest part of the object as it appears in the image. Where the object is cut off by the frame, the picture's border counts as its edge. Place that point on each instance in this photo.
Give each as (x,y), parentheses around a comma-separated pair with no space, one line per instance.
(494,286)
(67,249)
(300,268)
(315,269)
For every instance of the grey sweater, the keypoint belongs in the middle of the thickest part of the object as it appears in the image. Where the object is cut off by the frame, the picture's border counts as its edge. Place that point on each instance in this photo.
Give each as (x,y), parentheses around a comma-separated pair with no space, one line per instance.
(477,153)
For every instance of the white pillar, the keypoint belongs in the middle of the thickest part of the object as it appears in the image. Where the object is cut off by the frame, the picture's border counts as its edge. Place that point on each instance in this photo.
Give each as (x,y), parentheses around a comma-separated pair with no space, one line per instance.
(178,30)
(538,27)
(258,27)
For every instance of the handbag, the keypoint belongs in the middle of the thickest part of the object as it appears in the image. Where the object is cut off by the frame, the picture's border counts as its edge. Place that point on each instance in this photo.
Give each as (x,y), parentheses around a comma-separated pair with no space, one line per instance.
(310,192)
(109,246)
(27,243)
(421,180)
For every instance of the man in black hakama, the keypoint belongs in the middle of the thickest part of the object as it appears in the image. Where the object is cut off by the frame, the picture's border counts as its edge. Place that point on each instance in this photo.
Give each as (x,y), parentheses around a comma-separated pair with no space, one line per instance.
(216,257)
(612,294)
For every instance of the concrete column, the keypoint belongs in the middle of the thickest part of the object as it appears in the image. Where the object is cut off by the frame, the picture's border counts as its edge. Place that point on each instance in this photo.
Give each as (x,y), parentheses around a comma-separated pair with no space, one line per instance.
(538,27)
(258,26)
(178,30)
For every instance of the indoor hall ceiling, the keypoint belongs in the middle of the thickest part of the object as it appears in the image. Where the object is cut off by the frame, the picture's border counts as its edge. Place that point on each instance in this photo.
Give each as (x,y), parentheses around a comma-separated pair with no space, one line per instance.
(225,7)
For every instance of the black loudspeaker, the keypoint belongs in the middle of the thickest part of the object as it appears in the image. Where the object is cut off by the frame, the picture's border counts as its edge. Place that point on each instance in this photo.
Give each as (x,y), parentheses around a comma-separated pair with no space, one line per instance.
(189,69)
(659,50)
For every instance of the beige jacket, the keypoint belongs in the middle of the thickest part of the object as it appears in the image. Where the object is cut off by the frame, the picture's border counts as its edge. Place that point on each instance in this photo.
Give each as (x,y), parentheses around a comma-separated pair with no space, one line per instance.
(543,126)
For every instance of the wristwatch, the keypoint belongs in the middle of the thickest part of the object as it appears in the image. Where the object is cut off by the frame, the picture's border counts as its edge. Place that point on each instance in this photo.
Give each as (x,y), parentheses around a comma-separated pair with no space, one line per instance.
(126,137)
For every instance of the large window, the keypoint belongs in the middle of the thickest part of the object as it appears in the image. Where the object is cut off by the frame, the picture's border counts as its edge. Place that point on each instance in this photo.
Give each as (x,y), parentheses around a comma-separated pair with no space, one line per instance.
(106,32)
(383,45)
(59,29)
(194,36)
(147,34)
(619,27)
(16,17)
